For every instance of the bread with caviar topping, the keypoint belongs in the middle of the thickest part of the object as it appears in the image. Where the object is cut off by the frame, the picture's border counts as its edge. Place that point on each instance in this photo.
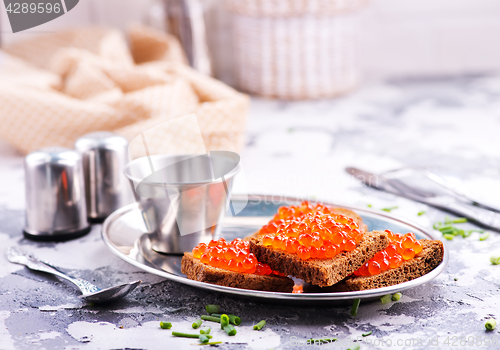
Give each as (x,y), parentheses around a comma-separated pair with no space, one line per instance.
(198,271)
(320,272)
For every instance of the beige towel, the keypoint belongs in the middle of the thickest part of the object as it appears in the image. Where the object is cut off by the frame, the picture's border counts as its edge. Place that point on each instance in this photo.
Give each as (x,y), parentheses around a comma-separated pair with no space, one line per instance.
(56,88)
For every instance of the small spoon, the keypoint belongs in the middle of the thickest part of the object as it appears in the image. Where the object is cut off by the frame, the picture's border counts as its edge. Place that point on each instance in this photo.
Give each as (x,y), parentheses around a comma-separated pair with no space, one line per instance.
(89,292)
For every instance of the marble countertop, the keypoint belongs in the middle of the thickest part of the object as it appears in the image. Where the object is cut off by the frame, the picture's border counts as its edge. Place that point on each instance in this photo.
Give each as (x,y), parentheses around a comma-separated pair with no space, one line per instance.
(450,125)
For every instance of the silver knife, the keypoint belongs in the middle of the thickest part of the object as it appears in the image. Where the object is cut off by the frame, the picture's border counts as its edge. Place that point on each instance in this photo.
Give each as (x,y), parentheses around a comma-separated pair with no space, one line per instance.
(482,216)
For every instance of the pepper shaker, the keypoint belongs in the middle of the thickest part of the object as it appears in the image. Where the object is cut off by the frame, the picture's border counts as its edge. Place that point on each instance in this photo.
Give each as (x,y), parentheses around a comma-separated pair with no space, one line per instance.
(104,155)
(55,195)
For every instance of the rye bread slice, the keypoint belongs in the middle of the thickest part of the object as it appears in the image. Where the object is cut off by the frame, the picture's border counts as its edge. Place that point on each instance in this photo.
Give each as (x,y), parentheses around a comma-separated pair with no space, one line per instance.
(426,261)
(198,271)
(320,272)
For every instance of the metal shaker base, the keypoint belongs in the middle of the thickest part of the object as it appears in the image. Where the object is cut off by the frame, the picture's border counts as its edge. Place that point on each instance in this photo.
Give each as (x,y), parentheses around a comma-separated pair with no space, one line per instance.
(56,237)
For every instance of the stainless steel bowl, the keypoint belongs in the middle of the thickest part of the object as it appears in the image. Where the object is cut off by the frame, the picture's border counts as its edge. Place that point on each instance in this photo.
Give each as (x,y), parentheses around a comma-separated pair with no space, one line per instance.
(55,195)
(183,198)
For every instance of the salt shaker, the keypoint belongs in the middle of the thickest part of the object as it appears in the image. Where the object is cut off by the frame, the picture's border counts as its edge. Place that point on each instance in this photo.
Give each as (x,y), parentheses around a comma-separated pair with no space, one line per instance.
(104,155)
(55,195)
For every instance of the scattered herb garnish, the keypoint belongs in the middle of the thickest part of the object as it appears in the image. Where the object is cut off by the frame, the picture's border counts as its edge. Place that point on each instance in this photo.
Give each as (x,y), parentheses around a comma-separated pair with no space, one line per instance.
(205,330)
(369,205)
(389,209)
(450,231)
(420,213)
(455,279)
(367,334)
(224,321)
(321,341)
(449,236)
(396,296)
(495,260)
(210,318)
(386,299)
(197,324)
(232,318)
(354,347)
(165,325)
(212,343)
(490,324)
(204,338)
(259,325)
(212,309)
(188,335)
(355,307)
(484,237)
(230,330)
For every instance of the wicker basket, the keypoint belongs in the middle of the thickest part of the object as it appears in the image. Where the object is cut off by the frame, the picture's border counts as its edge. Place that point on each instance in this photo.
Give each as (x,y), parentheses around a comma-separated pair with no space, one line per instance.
(295,49)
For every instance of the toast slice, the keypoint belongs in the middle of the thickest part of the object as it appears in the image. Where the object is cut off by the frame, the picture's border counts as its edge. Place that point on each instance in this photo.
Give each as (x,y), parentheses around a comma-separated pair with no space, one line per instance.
(320,272)
(426,261)
(198,271)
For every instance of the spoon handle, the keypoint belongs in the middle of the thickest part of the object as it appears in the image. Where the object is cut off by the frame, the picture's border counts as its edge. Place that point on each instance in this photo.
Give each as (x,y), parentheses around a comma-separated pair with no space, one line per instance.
(17,257)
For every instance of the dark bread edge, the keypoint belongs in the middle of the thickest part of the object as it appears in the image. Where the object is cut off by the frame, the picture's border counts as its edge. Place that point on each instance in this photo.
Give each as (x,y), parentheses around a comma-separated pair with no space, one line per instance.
(426,261)
(198,271)
(320,272)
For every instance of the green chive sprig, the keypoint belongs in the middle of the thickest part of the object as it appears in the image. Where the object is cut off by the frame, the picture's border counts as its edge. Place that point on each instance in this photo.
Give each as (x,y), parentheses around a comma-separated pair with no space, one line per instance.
(210,318)
(224,321)
(212,309)
(366,334)
(355,307)
(386,299)
(484,237)
(230,330)
(165,325)
(259,325)
(396,296)
(490,324)
(389,209)
(420,213)
(204,338)
(232,319)
(205,330)
(495,260)
(197,323)
(189,335)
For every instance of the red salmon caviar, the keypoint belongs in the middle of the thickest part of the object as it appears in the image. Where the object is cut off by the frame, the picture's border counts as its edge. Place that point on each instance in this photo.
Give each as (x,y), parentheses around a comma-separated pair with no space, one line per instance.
(320,232)
(401,248)
(233,256)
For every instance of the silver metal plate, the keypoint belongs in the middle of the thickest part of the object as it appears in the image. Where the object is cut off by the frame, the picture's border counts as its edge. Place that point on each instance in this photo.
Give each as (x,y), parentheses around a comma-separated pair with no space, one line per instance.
(126,236)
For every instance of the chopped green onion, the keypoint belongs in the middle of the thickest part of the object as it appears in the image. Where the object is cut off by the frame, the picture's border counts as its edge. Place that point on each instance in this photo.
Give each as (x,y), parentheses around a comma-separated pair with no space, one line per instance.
(490,324)
(224,321)
(396,296)
(458,221)
(259,325)
(165,325)
(420,213)
(230,330)
(389,209)
(467,233)
(205,330)
(355,306)
(437,225)
(232,318)
(455,279)
(188,335)
(386,299)
(447,220)
(369,205)
(197,324)
(354,347)
(485,237)
(210,318)
(495,260)
(212,343)
(212,309)
(321,341)
(448,236)
(204,338)
(367,334)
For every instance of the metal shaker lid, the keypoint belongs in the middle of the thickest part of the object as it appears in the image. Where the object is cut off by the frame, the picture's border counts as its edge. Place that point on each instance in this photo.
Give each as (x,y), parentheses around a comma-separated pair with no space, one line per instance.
(55,195)
(100,140)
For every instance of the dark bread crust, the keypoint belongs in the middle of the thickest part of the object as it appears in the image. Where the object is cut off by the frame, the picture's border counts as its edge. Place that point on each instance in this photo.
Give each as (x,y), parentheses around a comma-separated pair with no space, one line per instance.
(320,272)
(426,261)
(198,271)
